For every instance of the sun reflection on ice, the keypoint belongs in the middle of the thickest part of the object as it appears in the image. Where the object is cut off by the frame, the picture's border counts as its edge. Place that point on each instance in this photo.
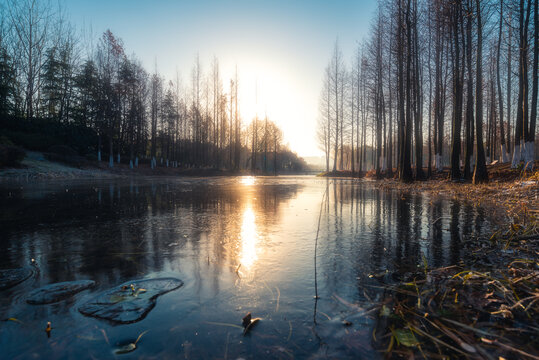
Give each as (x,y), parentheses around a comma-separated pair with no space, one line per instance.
(249,238)
(247,180)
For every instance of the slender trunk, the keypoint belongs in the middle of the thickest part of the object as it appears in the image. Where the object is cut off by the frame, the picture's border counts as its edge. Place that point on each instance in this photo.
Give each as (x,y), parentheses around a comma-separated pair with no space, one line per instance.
(533,116)
(457,97)
(328,136)
(504,158)
(420,175)
(336,89)
(429,139)
(342,124)
(521,126)
(352,132)
(509,76)
(469,101)
(406,172)
(480,172)
(390,131)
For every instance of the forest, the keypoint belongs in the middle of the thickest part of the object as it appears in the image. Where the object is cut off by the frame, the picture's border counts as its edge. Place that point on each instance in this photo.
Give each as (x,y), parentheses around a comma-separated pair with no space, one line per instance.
(436,83)
(59,88)
(150,207)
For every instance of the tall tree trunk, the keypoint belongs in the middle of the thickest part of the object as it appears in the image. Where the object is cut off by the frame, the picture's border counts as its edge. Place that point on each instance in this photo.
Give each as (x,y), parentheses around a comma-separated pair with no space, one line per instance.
(352,123)
(406,172)
(341,109)
(439,96)
(530,153)
(457,96)
(521,126)
(336,152)
(420,175)
(503,149)
(469,98)
(429,136)
(509,76)
(480,172)
(390,131)
(328,141)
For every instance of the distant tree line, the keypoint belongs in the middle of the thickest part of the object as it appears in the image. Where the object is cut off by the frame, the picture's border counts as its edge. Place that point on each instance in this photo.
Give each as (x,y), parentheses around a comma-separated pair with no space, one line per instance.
(48,72)
(437,83)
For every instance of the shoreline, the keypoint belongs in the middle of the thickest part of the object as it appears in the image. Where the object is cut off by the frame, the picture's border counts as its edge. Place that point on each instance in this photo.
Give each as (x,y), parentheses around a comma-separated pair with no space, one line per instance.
(462,310)
(35,168)
(488,304)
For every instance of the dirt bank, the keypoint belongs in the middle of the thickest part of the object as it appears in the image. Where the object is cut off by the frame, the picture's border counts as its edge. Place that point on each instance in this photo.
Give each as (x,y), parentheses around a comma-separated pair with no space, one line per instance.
(36,166)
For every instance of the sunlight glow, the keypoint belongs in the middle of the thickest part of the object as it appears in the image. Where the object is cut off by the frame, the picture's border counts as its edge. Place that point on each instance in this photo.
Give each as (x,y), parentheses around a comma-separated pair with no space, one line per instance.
(247,180)
(249,239)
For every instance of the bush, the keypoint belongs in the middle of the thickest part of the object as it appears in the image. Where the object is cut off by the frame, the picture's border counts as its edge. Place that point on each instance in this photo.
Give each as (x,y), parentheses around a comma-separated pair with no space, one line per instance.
(32,141)
(42,134)
(11,155)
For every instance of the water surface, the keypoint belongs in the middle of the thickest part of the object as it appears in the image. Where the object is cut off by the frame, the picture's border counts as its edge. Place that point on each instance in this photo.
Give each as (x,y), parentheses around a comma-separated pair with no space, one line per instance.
(239,244)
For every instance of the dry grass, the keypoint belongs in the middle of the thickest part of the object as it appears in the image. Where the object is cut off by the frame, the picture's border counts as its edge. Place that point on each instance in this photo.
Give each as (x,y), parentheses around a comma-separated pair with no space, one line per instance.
(478,309)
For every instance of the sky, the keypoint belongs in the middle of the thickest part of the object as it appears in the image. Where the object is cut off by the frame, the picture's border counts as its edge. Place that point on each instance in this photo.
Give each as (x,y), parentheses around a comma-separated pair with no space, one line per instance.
(280,48)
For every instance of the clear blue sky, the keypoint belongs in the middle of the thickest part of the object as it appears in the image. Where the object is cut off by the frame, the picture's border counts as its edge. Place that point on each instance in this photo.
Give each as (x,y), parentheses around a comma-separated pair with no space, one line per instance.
(281,45)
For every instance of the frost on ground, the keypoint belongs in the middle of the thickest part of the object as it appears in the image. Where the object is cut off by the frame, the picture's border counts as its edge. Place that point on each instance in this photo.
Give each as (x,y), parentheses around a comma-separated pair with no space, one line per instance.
(35,167)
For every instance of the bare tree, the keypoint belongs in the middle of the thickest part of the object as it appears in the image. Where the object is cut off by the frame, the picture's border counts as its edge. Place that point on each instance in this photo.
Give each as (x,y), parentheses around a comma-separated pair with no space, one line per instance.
(336,66)
(521,125)
(31,23)
(504,157)
(324,118)
(480,172)
(530,140)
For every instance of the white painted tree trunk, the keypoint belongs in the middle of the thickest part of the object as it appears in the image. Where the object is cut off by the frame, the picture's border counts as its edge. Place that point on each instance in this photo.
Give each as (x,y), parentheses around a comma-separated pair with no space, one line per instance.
(161,161)
(438,162)
(167,162)
(153,162)
(111,161)
(384,164)
(517,157)
(504,156)
(118,158)
(136,161)
(529,150)
(131,163)
(99,155)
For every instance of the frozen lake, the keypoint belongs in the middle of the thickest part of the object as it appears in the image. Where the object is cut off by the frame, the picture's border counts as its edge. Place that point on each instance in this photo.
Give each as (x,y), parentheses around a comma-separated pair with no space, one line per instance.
(238,244)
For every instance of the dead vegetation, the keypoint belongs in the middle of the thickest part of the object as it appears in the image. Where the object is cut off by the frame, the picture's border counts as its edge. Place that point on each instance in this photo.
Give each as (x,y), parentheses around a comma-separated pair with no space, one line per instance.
(487,306)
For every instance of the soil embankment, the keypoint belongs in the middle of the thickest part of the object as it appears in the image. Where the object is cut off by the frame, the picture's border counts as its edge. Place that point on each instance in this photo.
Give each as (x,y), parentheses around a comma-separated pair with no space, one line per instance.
(36,167)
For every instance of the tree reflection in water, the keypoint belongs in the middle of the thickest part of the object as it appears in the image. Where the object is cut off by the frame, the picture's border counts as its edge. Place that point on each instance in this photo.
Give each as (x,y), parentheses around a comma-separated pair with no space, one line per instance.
(200,230)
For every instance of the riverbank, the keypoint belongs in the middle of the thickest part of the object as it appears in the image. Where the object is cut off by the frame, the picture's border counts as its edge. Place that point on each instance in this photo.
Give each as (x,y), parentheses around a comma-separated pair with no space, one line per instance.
(510,192)
(36,166)
(485,307)
(374,276)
